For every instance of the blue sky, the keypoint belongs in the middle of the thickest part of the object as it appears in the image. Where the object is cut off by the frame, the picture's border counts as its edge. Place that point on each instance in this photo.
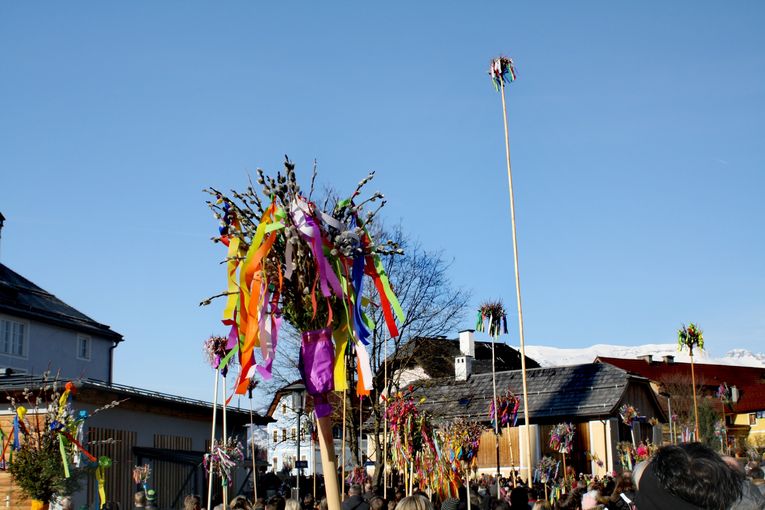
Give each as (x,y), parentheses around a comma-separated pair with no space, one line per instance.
(636,138)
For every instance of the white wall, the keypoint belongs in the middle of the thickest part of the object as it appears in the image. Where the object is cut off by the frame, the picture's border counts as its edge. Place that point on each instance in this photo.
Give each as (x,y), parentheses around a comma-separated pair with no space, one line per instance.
(56,347)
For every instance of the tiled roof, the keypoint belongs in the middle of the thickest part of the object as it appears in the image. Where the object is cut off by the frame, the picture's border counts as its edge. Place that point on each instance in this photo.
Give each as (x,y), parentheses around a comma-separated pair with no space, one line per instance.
(750,381)
(22,298)
(586,391)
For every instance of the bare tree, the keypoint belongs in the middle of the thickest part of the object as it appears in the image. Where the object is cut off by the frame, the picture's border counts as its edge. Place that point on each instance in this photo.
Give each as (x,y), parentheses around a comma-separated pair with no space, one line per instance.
(433,307)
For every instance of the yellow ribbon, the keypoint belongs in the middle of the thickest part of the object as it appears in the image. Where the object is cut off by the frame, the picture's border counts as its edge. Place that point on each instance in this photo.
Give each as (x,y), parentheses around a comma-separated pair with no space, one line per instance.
(101,485)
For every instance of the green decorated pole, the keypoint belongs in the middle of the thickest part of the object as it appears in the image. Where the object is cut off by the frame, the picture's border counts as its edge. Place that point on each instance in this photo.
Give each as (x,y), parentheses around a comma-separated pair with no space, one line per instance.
(691,337)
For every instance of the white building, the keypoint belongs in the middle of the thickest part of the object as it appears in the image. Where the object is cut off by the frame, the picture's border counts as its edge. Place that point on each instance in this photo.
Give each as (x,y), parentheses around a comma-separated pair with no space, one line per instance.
(283,434)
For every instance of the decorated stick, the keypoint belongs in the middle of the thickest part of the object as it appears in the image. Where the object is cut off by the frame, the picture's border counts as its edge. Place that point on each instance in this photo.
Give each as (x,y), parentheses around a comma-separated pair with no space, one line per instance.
(385,425)
(502,71)
(253,383)
(565,473)
(313,452)
(691,337)
(494,314)
(289,260)
(224,437)
(512,460)
(342,450)
(467,487)
(212,437)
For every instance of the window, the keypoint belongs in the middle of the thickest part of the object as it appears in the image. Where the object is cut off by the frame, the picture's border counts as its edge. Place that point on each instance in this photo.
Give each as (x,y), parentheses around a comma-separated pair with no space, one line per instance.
(293,433)
(12,337)
(752,419)
(83,347)
(284,409)
(276,436)
(284,434)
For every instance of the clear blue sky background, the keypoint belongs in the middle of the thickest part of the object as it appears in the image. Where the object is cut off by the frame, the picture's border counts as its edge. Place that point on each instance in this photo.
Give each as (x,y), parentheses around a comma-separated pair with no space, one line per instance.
(636,135)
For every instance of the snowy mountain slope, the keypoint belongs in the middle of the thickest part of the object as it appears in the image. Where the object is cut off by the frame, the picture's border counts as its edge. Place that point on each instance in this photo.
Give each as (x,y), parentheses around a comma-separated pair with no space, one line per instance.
(556,356)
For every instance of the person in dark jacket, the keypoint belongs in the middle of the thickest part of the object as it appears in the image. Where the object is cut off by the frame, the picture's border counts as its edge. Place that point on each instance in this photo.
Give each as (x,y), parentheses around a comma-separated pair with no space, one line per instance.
(354,501)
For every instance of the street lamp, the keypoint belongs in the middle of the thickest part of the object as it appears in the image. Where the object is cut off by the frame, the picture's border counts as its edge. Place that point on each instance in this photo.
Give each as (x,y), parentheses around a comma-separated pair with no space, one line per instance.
(297,391)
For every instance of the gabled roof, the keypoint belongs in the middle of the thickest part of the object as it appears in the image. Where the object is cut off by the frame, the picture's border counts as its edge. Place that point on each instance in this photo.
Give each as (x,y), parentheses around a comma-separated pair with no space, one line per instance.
(98,393)
(21,298)
(556,393)
(436,356)
(750,381)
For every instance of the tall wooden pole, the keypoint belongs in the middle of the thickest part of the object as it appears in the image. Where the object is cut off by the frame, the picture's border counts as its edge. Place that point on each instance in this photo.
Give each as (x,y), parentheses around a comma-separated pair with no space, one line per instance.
(328,462)
(313,456)
(252,452)
(225,439)
(210,474)
(385,427)
(342,454)
(695,403)
(517,289)
(496,411)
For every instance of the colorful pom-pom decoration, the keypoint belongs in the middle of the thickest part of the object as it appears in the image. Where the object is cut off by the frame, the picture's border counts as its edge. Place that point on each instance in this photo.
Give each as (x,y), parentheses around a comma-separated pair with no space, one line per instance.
(502,71)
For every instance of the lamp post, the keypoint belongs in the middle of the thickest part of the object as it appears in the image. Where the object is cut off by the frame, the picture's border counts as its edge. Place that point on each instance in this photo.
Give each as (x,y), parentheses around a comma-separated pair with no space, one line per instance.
(297,391)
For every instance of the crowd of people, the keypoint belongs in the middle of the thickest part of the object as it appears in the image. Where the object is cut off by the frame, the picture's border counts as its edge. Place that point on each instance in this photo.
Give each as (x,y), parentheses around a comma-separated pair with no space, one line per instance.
(678,477)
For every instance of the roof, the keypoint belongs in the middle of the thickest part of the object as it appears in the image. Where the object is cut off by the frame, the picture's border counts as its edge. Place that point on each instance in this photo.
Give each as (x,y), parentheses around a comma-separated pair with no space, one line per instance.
(436,356)
(750,381)
(99,392)
(586,391)
(22,298)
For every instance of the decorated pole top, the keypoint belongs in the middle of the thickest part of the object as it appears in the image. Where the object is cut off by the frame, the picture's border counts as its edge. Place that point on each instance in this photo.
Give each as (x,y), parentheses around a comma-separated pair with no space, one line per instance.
(492,319)
(562,438)
(502,71)
(690,337)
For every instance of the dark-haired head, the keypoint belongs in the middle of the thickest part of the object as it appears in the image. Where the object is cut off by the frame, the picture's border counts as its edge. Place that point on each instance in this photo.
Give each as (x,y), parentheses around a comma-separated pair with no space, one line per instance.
(697,474)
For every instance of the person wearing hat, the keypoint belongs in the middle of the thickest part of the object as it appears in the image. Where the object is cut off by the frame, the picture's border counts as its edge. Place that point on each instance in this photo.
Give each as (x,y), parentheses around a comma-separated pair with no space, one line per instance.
(151,498)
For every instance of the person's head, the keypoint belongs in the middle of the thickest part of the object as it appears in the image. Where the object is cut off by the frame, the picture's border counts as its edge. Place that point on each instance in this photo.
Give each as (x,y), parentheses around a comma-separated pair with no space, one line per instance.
(590,500)
(292,504)
(519,497)
(624,484)
(191,502)
(688,474)
(368,487)
(541,504)
(139,499)
(354,490)
(399,495)
(377,503)
(323,504)
(277,502)
(754,471)
(66,503)
(414,503)
(240,503)
(308,500)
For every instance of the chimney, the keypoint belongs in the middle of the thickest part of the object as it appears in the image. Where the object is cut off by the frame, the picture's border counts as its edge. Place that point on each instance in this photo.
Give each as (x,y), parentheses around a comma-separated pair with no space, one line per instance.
(668,359)
(648,358)
(467,343)
(463,366)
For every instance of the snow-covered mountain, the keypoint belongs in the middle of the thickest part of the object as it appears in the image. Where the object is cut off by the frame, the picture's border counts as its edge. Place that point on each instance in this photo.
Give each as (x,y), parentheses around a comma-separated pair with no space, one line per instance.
(557,356)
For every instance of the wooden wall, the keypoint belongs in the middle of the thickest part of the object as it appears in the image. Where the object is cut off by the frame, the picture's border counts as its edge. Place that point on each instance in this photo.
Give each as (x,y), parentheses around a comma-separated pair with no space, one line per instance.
(509,450)
(171,480)
(578,456)
(118,446)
